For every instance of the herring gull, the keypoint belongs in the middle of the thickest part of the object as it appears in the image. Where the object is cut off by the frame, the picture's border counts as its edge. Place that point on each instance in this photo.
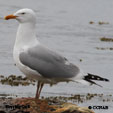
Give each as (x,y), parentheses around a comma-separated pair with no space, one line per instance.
(37,61)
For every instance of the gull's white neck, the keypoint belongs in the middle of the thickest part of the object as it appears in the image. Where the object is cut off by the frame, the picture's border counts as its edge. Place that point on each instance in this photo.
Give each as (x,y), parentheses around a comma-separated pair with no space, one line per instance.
(26,38)
(25,35)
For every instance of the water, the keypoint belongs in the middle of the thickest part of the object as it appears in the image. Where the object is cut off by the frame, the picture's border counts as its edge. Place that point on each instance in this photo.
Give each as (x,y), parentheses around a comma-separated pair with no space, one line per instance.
(63,25)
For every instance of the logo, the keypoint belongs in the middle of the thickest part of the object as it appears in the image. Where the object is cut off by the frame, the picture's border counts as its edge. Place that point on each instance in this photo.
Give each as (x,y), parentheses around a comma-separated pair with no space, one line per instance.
(98,107)
(19,108)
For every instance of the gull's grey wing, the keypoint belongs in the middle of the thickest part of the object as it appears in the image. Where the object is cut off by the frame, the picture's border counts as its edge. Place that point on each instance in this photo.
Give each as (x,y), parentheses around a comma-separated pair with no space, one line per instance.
(48,63)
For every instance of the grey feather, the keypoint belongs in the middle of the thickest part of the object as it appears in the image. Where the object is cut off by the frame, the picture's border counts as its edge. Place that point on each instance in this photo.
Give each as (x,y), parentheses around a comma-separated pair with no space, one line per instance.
(48,63)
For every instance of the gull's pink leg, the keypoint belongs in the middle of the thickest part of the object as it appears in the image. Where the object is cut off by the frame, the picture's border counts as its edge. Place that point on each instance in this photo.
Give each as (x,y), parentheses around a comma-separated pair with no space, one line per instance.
(42,84)
(37,92)
(39,88)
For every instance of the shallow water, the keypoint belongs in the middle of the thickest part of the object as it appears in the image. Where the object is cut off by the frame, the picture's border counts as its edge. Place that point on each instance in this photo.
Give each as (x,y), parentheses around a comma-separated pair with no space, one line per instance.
(63,25)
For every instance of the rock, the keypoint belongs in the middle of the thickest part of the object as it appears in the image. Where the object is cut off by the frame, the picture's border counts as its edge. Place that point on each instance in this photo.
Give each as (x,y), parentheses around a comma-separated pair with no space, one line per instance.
(32,105)
(72,108)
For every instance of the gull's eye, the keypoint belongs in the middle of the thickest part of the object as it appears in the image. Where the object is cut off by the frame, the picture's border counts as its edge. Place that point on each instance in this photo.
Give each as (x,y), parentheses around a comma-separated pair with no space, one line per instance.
(23,13)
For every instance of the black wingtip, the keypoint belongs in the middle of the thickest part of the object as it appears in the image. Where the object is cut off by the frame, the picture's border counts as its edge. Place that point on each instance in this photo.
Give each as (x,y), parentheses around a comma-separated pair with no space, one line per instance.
(107,80)
(96,77)
(90,77)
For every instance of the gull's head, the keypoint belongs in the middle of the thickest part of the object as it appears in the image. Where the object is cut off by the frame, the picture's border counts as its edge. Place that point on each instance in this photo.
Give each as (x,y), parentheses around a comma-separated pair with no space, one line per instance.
(23,16)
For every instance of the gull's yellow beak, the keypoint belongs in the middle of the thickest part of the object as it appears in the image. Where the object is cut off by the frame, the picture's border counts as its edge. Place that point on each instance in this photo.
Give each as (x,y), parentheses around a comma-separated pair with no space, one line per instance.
(10,17)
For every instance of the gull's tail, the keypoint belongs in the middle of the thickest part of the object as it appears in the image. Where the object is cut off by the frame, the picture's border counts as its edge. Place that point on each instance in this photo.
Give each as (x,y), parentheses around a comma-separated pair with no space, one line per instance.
(90,77)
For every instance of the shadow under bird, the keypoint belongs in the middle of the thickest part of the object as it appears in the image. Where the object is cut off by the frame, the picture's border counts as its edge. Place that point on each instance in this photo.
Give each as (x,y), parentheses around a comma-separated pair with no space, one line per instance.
(37,61)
